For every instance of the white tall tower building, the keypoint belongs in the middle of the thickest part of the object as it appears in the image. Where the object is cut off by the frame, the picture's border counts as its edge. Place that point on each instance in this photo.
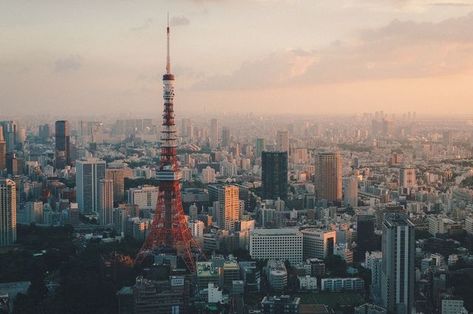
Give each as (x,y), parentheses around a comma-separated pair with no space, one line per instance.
(88,174)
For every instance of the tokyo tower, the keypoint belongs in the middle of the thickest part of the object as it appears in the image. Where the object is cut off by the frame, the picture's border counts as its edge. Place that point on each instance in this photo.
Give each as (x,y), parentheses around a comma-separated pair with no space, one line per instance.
(169,231)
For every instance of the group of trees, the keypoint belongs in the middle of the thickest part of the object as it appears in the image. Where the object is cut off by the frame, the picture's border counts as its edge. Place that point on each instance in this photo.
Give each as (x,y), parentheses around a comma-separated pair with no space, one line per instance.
(66,278)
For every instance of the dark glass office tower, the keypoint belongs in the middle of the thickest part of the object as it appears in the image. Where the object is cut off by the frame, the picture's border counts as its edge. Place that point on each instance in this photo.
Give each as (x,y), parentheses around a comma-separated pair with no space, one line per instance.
(398,271)
(366,241)
(274,175)
(63,151)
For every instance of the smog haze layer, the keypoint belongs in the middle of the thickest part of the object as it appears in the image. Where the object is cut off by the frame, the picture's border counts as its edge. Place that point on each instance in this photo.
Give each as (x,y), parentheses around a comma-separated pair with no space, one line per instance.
(278,56)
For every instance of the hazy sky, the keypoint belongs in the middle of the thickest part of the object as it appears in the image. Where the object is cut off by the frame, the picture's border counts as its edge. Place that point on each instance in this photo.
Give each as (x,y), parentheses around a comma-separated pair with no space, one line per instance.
(306,56)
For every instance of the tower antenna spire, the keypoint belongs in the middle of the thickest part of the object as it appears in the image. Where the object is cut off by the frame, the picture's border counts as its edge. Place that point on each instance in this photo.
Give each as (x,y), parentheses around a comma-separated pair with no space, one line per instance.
(169,232)
(168,59)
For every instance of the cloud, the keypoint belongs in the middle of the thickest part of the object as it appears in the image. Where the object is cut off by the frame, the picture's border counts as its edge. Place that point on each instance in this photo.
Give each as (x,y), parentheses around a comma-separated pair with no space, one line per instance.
(179,21)
(401,49)
(406,5)
(274,69)
(144,26)
(207,1)
(427,3)
(69,63)
(454,3)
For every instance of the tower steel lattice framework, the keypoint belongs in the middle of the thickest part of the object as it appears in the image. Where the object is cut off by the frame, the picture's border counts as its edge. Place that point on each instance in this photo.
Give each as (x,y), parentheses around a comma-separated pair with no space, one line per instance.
(169,229)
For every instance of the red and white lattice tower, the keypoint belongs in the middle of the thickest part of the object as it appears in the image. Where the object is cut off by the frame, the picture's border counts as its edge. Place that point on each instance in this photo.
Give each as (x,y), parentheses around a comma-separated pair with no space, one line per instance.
(169,230)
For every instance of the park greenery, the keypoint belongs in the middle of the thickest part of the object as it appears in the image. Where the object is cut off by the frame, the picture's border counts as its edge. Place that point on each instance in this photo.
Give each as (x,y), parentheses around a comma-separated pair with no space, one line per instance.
(67,275)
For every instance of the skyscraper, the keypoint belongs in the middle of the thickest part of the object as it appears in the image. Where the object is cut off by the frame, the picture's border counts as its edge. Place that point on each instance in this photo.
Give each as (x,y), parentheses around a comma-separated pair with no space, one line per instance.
(329,177)
(62,152)
(274,175)
(10,129)
(7,212)
(282,141)
(44,132)
(365,236)
(118,175)
(229,206)
(186,129)
(350,191)
(260,147)
(14,165)
(3,151)
(88,174)
(397,277)
(226,137)
(105,201)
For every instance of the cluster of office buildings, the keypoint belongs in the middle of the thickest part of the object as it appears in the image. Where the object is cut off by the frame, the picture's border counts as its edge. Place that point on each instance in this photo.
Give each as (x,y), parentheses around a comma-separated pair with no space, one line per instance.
(290,190)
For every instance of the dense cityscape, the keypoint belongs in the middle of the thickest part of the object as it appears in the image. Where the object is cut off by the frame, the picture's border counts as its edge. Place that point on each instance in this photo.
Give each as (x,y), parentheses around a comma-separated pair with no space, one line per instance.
(365,213)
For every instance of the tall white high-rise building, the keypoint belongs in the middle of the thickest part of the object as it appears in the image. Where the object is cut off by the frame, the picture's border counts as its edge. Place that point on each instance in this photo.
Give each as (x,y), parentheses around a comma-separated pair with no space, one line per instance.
(7,212)
(88,174)
(106,202)
(398,272)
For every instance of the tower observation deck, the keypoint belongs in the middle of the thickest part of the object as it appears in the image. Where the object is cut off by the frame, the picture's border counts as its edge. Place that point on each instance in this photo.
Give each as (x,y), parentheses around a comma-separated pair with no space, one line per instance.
(169,231)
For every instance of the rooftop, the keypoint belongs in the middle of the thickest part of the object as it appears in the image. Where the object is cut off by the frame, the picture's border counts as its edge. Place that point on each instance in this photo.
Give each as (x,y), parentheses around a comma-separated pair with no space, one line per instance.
(276,232)
(205,269)
(397,219)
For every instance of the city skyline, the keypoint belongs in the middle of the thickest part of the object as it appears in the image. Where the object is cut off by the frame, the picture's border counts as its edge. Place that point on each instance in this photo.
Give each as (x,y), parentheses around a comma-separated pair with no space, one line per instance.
(99,58)
(231,206)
